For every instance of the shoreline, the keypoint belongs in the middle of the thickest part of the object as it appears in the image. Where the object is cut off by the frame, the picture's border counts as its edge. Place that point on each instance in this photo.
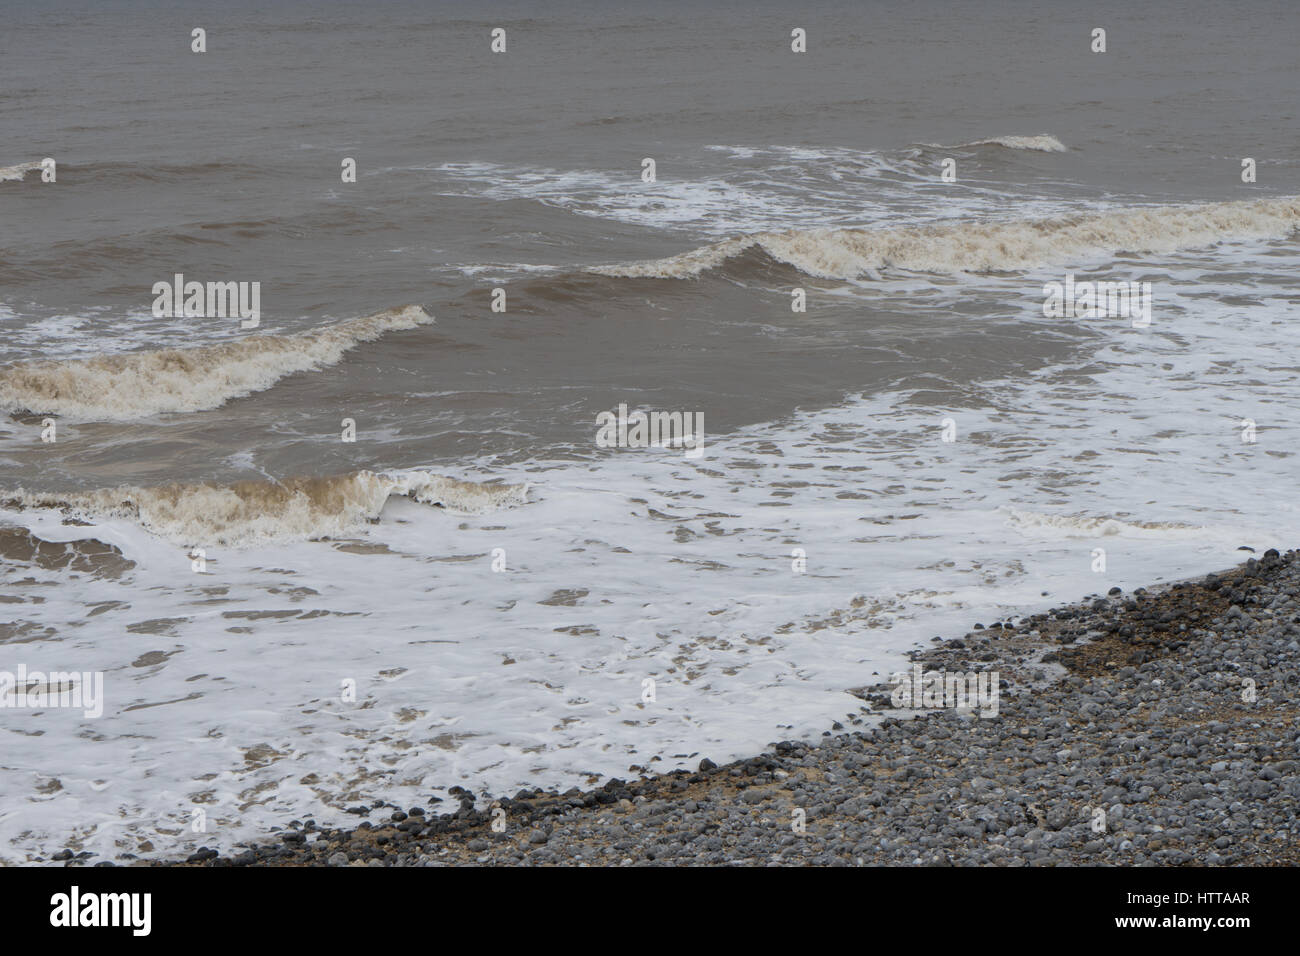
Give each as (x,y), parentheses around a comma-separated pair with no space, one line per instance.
(1123,736)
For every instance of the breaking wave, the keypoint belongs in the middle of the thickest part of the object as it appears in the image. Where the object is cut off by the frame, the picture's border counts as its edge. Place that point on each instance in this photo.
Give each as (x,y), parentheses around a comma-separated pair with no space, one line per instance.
(15,173)
(134,385)
(249,512)
(968,246)
(1043,143)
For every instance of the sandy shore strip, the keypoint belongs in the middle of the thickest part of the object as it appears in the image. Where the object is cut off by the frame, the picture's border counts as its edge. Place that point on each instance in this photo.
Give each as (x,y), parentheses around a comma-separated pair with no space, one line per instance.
(1155,728)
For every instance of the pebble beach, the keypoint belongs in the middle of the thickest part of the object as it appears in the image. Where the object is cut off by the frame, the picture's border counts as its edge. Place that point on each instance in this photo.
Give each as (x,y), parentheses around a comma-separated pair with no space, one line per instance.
(1153,728)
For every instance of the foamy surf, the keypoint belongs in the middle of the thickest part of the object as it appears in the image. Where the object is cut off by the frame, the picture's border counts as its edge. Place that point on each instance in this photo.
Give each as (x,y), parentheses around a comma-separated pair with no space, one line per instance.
(19,546)
(135,385)
(988,246)
(16,173)
(250,512)
(1092,526)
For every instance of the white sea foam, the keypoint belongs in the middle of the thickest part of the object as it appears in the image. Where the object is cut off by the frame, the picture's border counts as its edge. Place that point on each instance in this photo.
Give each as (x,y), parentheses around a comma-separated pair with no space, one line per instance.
(772,186)
(16,173)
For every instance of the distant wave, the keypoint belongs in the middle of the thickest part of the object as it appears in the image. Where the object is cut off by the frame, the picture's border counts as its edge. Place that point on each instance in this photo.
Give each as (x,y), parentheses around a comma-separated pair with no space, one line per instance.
(149,172)
(967,246)
(134,385)
(248,512)
(1043,143)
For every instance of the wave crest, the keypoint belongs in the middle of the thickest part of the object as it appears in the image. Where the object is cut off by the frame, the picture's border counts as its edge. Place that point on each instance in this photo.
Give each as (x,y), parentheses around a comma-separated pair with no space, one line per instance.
(1043,143)
(16,173)
(134,385)
(248,512)
(968,246)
